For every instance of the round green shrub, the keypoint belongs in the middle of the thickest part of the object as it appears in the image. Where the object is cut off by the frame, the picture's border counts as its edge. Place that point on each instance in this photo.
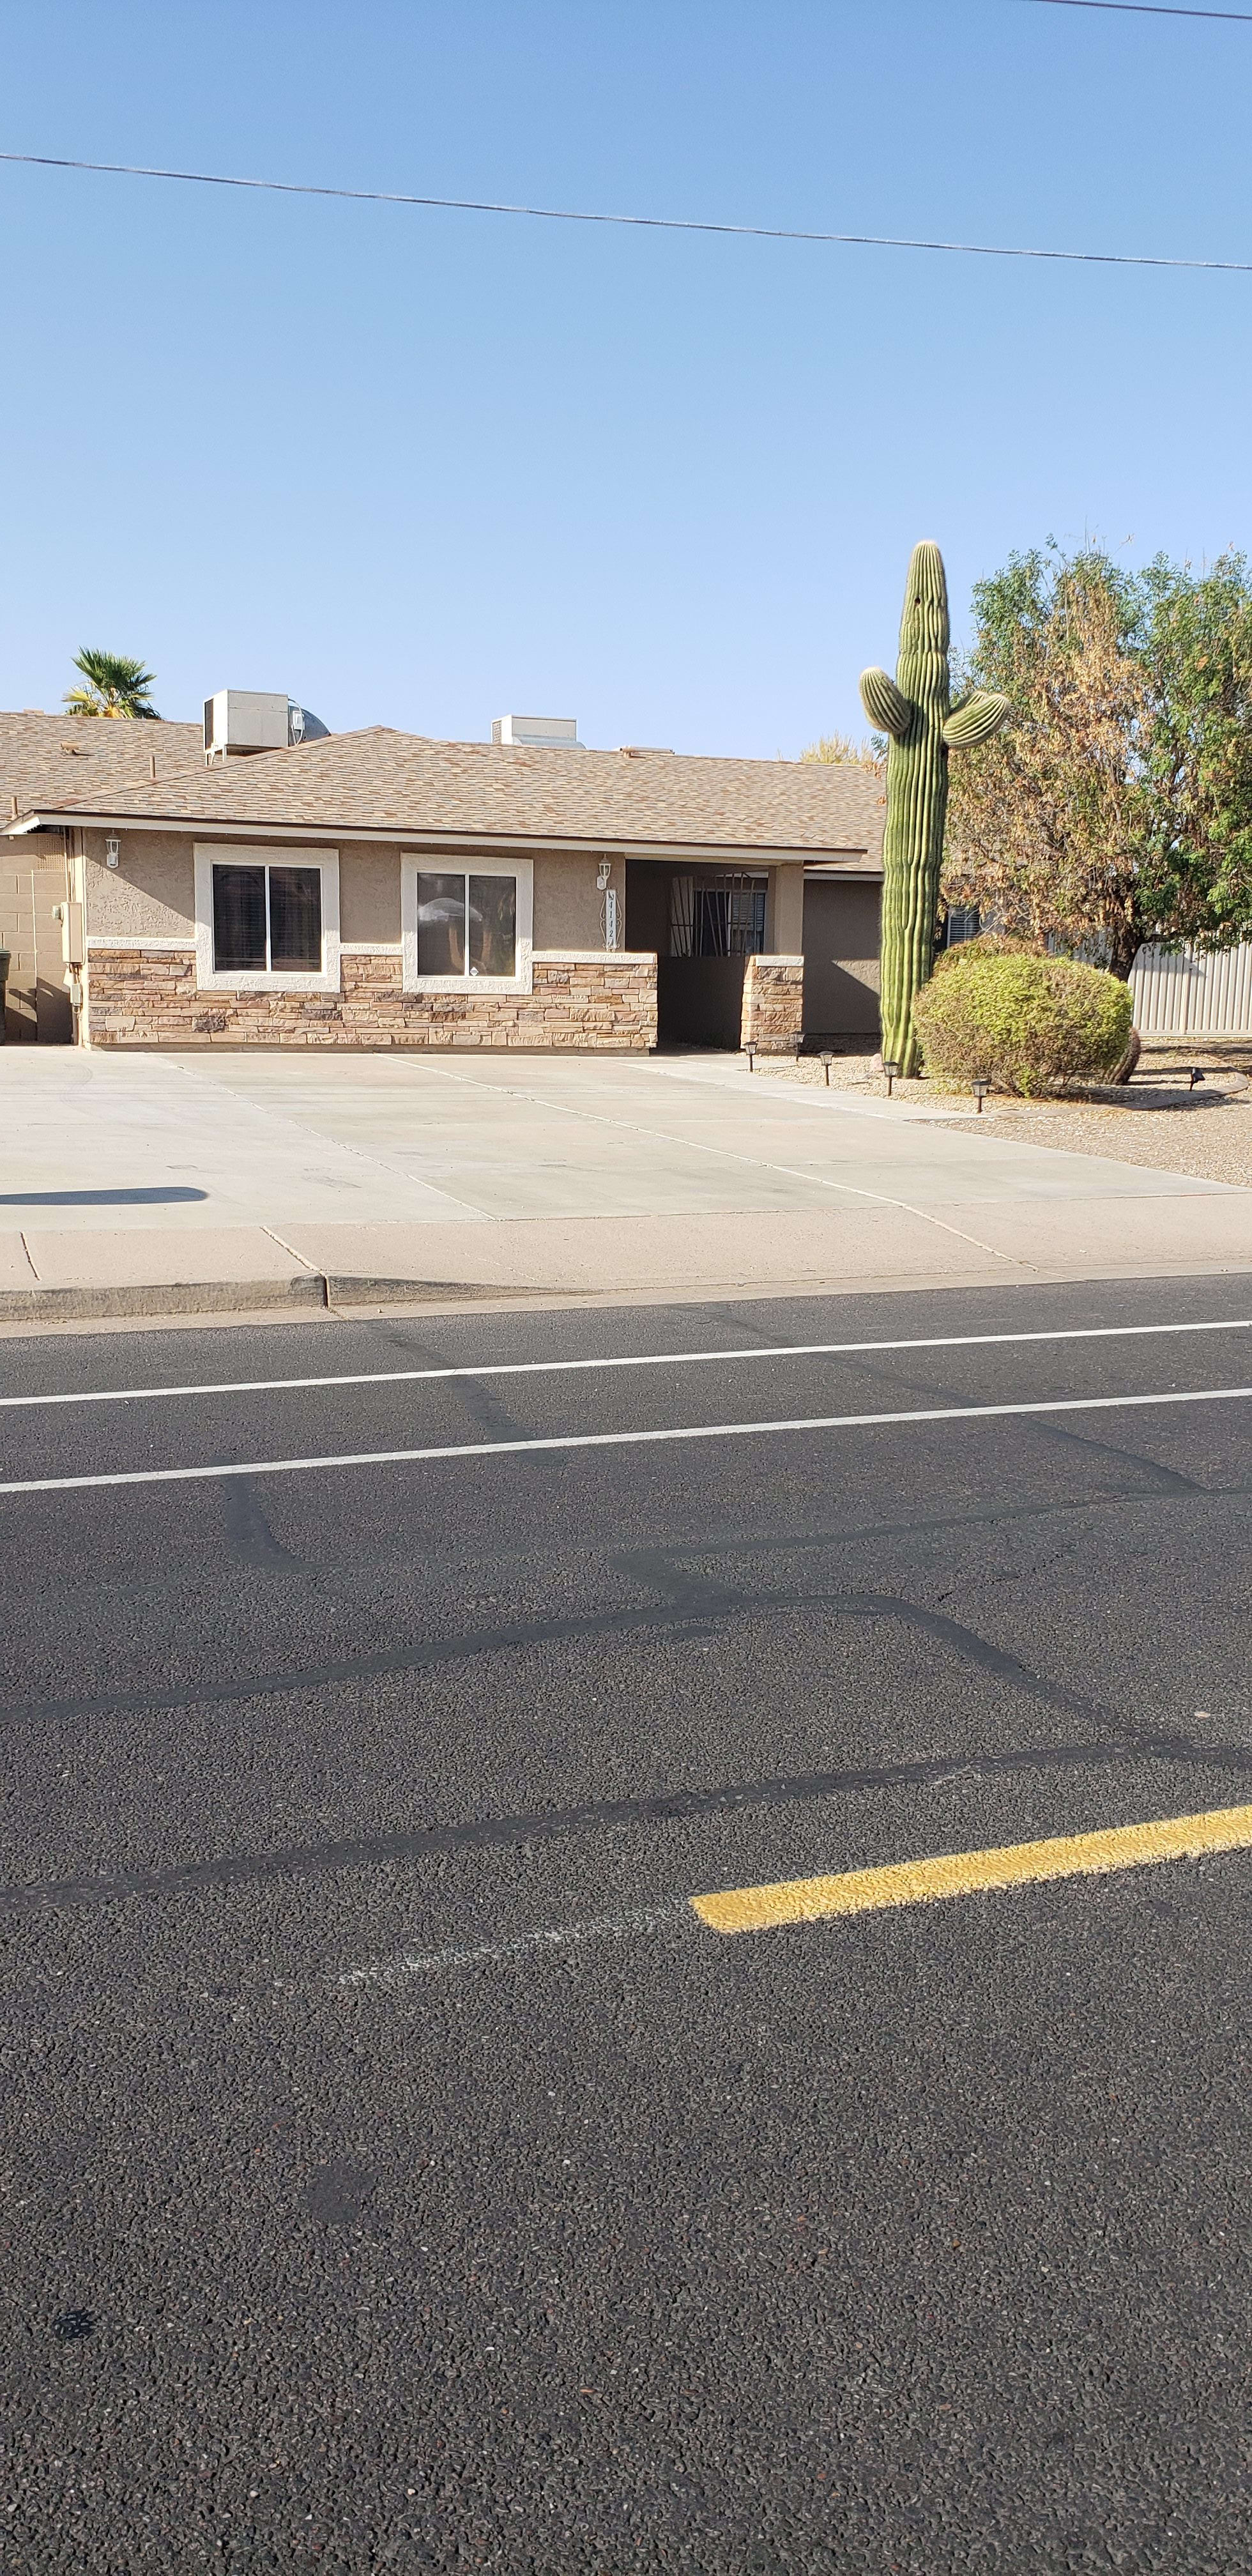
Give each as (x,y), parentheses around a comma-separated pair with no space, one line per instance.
(989,943)
(1022,1021)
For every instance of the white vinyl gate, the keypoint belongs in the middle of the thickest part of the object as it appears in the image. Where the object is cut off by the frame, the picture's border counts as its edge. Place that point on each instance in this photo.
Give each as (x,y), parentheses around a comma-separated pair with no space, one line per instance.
(1185,992)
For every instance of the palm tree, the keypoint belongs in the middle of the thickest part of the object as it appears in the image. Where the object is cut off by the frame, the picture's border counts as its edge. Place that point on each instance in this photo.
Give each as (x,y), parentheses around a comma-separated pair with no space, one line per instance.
(115,686)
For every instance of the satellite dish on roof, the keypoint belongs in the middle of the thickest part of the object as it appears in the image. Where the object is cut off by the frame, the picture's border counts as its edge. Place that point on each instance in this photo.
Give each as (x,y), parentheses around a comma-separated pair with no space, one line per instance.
(303,725)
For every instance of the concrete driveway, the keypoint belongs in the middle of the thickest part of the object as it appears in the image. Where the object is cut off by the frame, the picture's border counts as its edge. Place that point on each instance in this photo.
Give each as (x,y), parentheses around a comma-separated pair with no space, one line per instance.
(549,1175)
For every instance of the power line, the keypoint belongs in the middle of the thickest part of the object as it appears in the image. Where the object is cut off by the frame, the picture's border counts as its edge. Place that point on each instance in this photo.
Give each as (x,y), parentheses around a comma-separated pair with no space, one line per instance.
(646,223)
(1151,9)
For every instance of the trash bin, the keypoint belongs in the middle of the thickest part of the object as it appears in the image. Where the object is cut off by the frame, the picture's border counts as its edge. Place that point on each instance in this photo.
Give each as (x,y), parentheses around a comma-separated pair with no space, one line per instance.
(5,957)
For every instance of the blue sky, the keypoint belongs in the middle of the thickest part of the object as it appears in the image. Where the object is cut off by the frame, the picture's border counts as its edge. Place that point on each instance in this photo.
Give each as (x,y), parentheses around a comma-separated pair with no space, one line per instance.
(421,468)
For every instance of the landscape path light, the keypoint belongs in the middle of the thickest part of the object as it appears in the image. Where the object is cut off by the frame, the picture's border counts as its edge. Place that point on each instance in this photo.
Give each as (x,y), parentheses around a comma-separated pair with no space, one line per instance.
(980,1091)
(891,1068)
(827,1061)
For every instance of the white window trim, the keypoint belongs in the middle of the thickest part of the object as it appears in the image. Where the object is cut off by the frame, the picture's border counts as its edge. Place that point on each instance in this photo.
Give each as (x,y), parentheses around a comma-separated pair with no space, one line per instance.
(461,863)
(268,980)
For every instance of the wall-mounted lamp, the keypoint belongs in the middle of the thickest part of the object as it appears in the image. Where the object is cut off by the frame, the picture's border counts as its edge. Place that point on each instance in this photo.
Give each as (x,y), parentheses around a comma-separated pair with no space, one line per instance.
(112,849)
(604,875)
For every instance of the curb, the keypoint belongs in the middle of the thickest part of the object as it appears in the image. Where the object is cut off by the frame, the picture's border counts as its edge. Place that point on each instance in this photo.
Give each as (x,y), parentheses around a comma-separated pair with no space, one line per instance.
(314,1290)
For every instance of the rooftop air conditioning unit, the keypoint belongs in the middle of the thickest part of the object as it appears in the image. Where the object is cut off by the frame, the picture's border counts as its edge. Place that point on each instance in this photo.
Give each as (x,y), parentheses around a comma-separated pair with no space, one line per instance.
(538,733)
(245,720)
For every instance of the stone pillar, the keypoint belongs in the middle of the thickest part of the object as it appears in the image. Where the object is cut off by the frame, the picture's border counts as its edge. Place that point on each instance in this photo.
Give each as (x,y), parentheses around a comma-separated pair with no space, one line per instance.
(773,1004)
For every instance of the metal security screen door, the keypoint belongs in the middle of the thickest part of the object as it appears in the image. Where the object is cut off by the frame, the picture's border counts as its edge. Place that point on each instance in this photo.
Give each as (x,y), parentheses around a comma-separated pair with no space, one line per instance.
(719,914)
(716,922)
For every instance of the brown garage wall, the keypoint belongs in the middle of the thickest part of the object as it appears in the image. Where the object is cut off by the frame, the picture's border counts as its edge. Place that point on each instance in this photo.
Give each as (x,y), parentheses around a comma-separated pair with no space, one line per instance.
(840,957)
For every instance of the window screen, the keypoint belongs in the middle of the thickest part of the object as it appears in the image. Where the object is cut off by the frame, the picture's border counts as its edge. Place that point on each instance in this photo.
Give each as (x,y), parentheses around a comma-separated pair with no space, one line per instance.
(239,920)
(261,928)
(296,919)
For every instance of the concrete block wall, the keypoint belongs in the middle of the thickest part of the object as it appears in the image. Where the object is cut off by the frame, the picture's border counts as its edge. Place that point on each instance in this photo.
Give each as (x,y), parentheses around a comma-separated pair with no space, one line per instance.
(147,997)
(38,1002)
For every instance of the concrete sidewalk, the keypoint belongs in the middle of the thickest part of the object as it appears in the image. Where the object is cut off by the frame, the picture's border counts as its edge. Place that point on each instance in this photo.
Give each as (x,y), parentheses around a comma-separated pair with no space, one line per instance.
(234,1182)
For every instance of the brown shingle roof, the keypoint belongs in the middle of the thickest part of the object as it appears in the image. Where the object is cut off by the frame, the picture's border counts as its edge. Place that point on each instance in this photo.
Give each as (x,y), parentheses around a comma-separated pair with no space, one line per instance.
(398,783)
(47,759)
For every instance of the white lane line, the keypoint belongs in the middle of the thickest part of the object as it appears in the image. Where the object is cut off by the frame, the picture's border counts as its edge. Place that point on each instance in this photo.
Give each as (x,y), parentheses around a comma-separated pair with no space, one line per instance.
(629,1360)
(559,1936)
(615,1440)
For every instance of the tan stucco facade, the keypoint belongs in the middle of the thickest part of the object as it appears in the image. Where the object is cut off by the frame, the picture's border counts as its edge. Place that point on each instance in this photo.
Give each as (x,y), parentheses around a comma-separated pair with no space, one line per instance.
(369,896)
(144,986)
(151,892)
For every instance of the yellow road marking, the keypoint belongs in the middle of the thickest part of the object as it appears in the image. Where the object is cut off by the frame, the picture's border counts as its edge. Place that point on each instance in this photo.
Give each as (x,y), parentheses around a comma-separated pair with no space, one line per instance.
(921,1882)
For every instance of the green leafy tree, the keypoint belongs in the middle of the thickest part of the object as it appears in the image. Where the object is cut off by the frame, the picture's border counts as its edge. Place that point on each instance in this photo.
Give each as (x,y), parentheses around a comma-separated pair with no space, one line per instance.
(1116,808)
(112,685)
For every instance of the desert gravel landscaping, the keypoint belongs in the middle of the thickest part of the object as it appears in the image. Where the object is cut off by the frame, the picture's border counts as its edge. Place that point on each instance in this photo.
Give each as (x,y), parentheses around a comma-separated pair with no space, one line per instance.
(1158,1121)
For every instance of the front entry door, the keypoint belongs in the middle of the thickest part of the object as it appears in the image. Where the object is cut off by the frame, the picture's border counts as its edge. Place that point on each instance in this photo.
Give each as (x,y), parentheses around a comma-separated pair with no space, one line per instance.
(716,922)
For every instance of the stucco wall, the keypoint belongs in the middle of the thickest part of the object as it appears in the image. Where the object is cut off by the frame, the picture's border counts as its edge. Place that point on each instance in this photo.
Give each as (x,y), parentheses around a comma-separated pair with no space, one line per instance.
(568,902)
(369,893)
(841,957)
(150,894)
(784,912)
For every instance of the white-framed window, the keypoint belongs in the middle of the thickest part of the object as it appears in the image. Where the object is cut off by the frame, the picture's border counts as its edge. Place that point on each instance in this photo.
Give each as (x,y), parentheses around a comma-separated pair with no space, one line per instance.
(267,921)
(466,925)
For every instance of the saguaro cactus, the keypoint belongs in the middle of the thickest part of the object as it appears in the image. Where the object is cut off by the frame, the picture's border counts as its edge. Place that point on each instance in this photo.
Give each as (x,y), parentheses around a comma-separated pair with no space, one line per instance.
(915,710)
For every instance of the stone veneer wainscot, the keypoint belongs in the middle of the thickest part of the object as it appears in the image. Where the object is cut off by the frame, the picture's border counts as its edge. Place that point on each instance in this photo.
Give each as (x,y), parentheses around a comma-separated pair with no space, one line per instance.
(141,996)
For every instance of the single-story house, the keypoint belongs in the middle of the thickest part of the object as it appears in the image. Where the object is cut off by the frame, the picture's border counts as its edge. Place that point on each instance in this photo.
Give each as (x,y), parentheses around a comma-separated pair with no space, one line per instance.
(378,889)
(49,759)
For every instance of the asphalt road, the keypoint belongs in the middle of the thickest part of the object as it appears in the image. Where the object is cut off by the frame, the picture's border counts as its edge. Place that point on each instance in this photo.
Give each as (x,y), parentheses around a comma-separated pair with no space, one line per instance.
(397,2172)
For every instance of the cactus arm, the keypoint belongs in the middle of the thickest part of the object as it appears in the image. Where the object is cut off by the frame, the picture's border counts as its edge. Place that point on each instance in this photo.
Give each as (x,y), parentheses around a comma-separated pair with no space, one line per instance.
(885,704)
(975,720)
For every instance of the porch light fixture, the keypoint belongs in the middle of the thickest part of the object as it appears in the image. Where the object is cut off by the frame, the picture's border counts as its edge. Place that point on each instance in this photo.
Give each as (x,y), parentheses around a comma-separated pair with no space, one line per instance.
(827,1061)
(111,850)
(980,1091)
(892,1072)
